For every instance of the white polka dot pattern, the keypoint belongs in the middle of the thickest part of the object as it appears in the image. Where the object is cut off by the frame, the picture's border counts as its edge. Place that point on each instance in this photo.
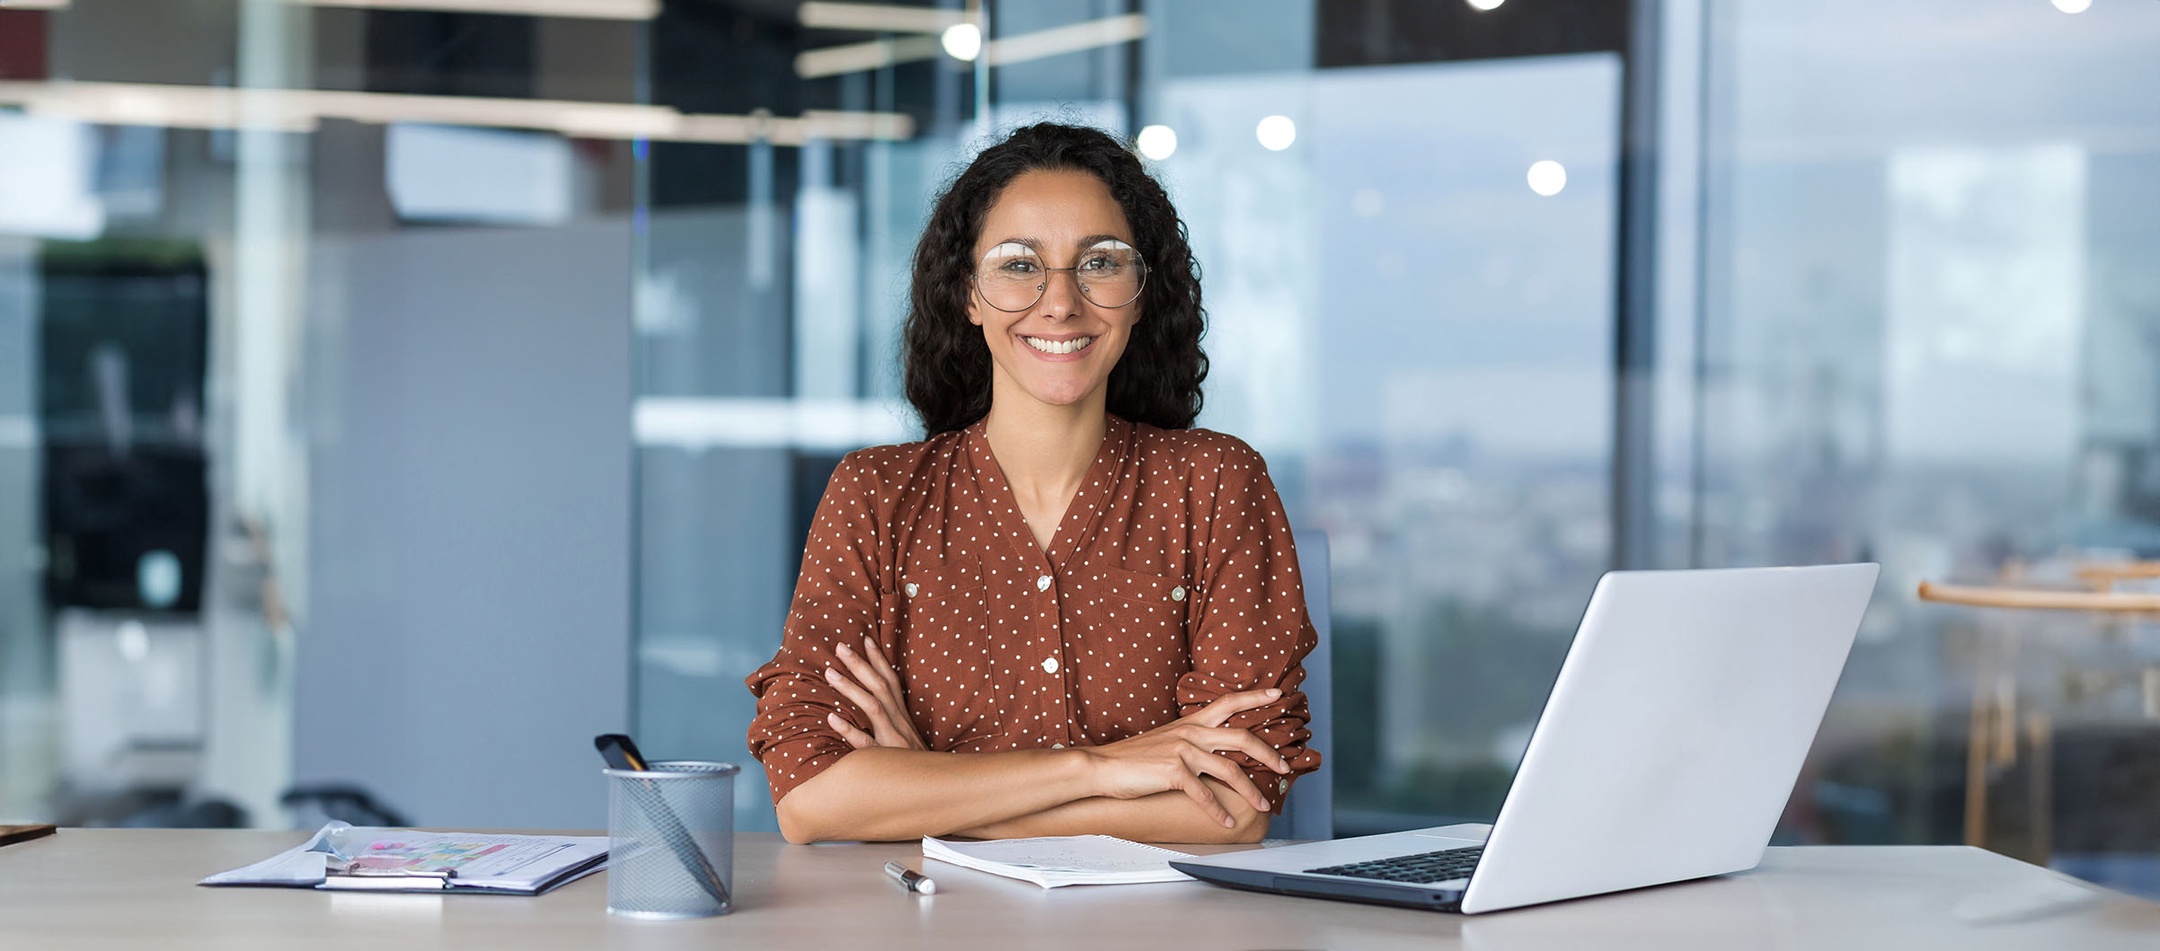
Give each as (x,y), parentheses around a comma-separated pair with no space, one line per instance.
(1171,580)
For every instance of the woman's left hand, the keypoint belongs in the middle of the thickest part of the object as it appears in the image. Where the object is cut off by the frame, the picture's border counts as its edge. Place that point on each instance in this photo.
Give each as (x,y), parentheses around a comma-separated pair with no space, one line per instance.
(869,681)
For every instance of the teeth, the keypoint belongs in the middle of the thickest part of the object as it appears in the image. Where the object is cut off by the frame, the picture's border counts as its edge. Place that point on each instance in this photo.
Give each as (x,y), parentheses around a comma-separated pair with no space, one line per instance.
(1059,346)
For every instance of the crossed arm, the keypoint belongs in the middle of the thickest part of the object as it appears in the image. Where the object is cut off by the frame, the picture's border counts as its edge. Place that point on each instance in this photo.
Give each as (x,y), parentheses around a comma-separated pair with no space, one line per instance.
(1169,784)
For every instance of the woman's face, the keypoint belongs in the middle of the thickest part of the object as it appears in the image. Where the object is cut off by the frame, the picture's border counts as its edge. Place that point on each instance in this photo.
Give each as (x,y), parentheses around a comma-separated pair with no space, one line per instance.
(1060,350)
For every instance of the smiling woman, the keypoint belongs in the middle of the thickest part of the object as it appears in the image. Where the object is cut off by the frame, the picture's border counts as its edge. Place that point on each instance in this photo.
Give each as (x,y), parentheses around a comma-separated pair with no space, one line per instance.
(1043,175)
(1065,611)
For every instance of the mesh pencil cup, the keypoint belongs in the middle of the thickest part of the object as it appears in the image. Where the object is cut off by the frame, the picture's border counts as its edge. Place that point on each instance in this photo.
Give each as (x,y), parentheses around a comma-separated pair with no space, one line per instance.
(671,840)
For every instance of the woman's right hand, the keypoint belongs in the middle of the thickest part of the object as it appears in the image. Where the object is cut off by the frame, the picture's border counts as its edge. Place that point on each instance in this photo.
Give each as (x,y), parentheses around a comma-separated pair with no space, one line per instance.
(1177,754)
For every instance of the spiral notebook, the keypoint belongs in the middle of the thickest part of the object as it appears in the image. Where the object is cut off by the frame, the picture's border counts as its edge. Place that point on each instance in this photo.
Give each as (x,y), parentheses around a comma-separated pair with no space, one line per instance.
(1057,861)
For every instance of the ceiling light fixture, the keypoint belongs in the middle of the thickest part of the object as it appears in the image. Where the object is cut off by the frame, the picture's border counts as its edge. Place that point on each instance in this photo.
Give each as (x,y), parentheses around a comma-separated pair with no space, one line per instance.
(878,17)
(864,57)
(1041,44)
(301,110)
(1157,142)
(1276,133)
(1547,177)
(962,41)
(568,9)
(1057,41)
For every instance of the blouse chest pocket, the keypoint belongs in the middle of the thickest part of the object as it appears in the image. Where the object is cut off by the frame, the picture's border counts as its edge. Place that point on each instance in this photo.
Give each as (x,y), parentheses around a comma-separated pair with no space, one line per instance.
(1141,605)
(945,652)
(941,603)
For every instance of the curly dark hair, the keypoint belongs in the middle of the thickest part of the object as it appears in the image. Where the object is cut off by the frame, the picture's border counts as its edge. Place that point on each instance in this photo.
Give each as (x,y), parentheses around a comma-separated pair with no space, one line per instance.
(946,364)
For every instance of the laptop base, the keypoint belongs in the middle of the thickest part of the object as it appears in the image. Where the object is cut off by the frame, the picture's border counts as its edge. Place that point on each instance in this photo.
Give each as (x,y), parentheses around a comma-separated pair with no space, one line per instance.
(1333,890)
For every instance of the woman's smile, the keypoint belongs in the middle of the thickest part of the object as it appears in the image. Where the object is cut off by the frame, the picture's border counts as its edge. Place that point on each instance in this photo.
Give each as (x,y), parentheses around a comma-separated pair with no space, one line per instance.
(1059,348)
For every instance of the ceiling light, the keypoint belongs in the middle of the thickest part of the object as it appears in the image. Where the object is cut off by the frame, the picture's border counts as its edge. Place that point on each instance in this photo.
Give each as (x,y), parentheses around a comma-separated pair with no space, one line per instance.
(962,41)
(1057,41)
(1276,133)
(1157,142)
(2073,6)
(864,57)
(1547,177)
(300,110)
(877,17)
(34,4)
(1485,4)
(573,9)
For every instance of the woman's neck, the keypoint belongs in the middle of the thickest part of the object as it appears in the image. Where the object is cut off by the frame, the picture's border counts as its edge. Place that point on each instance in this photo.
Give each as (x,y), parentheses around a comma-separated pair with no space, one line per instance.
(1045,452)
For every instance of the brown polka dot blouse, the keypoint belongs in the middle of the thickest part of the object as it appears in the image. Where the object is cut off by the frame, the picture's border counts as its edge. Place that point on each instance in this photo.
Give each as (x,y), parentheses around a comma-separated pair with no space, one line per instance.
(1172,580)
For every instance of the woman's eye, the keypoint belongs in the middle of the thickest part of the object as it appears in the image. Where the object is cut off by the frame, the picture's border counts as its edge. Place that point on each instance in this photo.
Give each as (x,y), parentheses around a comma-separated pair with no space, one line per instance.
(1017,266)
(1099,262)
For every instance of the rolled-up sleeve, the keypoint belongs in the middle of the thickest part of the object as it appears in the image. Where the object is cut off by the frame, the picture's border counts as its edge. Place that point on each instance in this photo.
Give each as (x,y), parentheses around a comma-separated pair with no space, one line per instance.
(1251,629)
(836,601)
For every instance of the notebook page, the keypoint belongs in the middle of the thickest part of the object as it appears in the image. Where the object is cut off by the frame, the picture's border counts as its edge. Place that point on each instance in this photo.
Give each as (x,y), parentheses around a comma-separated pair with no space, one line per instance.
(1052,861)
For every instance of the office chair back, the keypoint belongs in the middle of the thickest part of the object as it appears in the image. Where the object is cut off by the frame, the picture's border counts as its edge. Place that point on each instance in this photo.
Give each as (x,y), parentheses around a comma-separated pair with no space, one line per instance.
(1309,813)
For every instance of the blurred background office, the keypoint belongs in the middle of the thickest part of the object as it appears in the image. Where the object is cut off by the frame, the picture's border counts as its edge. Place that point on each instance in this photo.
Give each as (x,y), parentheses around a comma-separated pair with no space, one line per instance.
(395,393)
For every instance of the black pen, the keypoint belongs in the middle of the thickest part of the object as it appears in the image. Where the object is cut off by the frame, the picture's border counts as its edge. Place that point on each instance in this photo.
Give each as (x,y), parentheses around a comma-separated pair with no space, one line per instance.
(910,879)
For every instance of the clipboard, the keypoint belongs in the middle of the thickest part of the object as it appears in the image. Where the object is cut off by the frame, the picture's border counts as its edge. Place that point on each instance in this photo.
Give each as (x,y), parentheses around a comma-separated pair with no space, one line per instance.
(387,880)
(342,857)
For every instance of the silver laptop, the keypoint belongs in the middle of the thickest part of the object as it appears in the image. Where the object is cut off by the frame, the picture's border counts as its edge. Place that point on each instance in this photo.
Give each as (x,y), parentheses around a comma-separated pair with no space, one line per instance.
(1666,752)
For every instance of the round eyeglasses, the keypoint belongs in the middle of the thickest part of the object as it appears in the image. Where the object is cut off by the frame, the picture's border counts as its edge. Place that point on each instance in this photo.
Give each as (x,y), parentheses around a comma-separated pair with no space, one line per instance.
(1012,277)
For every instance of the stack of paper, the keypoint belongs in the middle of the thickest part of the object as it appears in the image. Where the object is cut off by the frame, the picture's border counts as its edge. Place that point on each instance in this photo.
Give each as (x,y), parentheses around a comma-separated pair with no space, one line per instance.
(1056,861)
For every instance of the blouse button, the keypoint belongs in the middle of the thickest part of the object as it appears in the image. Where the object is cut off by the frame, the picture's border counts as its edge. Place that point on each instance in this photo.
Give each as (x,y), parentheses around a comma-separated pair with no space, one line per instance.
(912,588)
(1177,593)
(1049,665)
(1042,583)
(1057,746)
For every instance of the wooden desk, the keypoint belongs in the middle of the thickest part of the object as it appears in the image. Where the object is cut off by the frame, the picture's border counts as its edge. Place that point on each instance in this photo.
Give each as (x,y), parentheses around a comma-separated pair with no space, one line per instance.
(135,888)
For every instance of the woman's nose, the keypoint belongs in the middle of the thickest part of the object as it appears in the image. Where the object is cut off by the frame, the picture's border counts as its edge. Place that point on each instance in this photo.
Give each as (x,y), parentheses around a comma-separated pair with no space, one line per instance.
(1061,295)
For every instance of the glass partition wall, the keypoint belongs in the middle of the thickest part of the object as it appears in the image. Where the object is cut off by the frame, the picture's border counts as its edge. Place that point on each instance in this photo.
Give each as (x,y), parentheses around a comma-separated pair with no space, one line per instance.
(1927,338)
(314,316)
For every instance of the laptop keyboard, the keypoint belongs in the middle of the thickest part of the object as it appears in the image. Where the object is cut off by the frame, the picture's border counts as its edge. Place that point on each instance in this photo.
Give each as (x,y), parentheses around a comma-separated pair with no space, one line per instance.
(1412,869)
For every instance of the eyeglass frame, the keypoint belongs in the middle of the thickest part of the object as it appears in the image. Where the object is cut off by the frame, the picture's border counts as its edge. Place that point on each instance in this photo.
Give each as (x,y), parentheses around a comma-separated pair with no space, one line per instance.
(1043,290)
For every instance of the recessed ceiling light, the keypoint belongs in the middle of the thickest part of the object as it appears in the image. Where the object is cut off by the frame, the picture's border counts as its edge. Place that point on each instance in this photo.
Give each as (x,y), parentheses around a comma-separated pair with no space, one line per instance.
(962,41)
(1547,177)
(1157,142)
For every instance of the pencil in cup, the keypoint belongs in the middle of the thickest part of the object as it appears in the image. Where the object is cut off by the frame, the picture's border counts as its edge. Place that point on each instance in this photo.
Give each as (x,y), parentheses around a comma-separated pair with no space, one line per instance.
(671,840)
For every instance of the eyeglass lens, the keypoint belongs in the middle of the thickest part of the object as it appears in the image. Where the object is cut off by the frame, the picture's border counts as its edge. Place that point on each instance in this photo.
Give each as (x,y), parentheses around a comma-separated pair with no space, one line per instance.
(1012,276)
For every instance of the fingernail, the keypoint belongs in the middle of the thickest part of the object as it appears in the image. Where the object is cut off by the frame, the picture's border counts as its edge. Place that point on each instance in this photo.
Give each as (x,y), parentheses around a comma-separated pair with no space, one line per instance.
(843,648)
(1272,692)
(829,675)
(1229,823)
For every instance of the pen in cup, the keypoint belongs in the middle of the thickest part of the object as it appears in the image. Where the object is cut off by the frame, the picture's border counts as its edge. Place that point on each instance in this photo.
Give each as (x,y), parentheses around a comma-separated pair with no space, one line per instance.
(622,754)
(910,879)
